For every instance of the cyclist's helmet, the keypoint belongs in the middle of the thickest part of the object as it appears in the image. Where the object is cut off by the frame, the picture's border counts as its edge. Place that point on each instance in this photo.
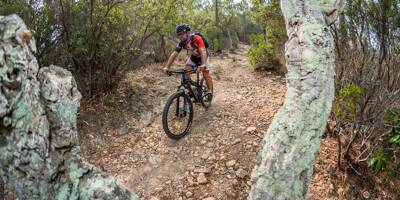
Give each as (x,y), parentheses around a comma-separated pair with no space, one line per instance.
(182,27)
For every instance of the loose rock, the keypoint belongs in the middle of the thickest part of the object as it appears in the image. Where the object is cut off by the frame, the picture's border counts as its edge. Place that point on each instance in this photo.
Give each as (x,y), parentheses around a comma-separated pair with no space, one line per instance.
(241,173)
(202,170)
(236,141)
(201,179)
(251,129)
(230,163)
(188,194)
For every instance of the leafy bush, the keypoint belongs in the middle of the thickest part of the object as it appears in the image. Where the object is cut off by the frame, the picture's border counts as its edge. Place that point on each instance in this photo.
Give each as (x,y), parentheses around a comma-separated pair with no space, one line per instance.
(214,38)
(349,99)
(267,47)
(260,52)
(99,40)
(348,111)
(375,71)
(379,161)
(392,120)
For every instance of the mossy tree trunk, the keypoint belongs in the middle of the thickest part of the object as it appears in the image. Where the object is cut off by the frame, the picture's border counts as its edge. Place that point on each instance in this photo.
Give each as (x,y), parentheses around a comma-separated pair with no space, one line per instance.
(39,145)
(285,163)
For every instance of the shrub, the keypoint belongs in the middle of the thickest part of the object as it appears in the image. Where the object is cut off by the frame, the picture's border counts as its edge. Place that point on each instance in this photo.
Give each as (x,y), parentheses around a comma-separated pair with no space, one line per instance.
(392,120)
(380,160)
(260,53)
(348,101)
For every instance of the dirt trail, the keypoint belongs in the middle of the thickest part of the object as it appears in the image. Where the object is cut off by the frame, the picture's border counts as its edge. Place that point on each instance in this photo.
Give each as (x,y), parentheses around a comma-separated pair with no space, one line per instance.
(122,134)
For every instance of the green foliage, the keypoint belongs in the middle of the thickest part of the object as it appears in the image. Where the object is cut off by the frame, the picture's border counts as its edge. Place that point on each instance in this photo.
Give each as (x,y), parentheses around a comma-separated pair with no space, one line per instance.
(395,139)
(247,27)
(349,101)
(260,52)
(392,120)
(266,51)
(367,37)
(213,36)
(233,17)
(95,39)
(379,161)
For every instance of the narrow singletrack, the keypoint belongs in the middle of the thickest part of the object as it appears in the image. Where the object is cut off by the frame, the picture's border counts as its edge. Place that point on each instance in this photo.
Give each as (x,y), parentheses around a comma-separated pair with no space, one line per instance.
(213,161)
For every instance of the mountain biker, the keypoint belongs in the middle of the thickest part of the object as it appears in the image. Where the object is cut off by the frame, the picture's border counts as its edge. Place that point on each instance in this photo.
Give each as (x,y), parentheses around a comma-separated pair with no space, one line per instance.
(196,48)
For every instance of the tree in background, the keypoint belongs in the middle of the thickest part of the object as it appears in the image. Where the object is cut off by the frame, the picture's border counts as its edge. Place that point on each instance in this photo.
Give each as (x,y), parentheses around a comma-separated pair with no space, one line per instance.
(365,117)
(98,40)
(91,38)
(266,51)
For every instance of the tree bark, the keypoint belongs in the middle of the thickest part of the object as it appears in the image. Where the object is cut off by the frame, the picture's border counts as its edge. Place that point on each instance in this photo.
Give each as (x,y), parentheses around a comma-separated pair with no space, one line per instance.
(38,140)
(2,194)
(285,163)
(217,14)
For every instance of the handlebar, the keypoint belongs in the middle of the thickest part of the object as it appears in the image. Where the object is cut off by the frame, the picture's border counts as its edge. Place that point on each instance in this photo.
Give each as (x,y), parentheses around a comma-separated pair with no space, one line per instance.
(181,71)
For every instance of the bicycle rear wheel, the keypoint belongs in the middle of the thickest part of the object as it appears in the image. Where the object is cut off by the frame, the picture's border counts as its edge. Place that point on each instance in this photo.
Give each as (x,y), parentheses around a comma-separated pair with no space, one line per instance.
(177,115)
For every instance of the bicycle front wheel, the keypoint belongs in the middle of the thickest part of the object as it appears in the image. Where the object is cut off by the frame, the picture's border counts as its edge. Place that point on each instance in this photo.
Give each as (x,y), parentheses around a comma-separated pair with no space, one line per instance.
(177,115)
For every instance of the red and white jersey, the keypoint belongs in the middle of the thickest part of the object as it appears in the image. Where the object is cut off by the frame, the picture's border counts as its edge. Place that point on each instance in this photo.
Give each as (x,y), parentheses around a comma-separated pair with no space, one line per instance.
(192,47)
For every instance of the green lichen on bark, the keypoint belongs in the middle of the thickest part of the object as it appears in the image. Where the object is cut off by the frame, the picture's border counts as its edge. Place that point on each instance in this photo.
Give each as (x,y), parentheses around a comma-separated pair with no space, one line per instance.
(284,164)
(39,156)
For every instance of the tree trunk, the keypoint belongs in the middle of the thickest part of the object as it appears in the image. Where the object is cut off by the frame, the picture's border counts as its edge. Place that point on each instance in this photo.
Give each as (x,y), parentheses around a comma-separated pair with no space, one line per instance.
(230,41)
(163,48)
(38,140)
(2,194)
(284,166)
(216,14)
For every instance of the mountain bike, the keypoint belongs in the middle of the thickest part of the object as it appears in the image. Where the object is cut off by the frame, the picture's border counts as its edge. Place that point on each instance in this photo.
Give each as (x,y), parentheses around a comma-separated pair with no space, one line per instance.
(178,111)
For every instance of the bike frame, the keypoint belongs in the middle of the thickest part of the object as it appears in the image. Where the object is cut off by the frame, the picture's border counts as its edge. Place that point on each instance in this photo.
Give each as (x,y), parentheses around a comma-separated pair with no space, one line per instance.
(186,83)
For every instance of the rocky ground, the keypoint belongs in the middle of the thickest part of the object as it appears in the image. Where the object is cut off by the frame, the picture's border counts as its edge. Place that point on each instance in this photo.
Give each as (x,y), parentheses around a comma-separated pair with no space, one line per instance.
(213,161)
(121,133)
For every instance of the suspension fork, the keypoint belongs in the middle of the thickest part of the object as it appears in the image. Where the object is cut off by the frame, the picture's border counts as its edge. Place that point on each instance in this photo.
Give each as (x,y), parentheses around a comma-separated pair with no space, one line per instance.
(177,111)
(177,107)
(177,101)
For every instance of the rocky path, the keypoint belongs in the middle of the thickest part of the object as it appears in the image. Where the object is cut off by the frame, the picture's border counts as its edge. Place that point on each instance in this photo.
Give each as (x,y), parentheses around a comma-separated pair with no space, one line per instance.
(123,134)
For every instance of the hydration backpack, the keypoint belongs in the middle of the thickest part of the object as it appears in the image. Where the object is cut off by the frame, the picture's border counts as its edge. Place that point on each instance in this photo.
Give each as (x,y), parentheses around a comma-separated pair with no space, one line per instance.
(202,37)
